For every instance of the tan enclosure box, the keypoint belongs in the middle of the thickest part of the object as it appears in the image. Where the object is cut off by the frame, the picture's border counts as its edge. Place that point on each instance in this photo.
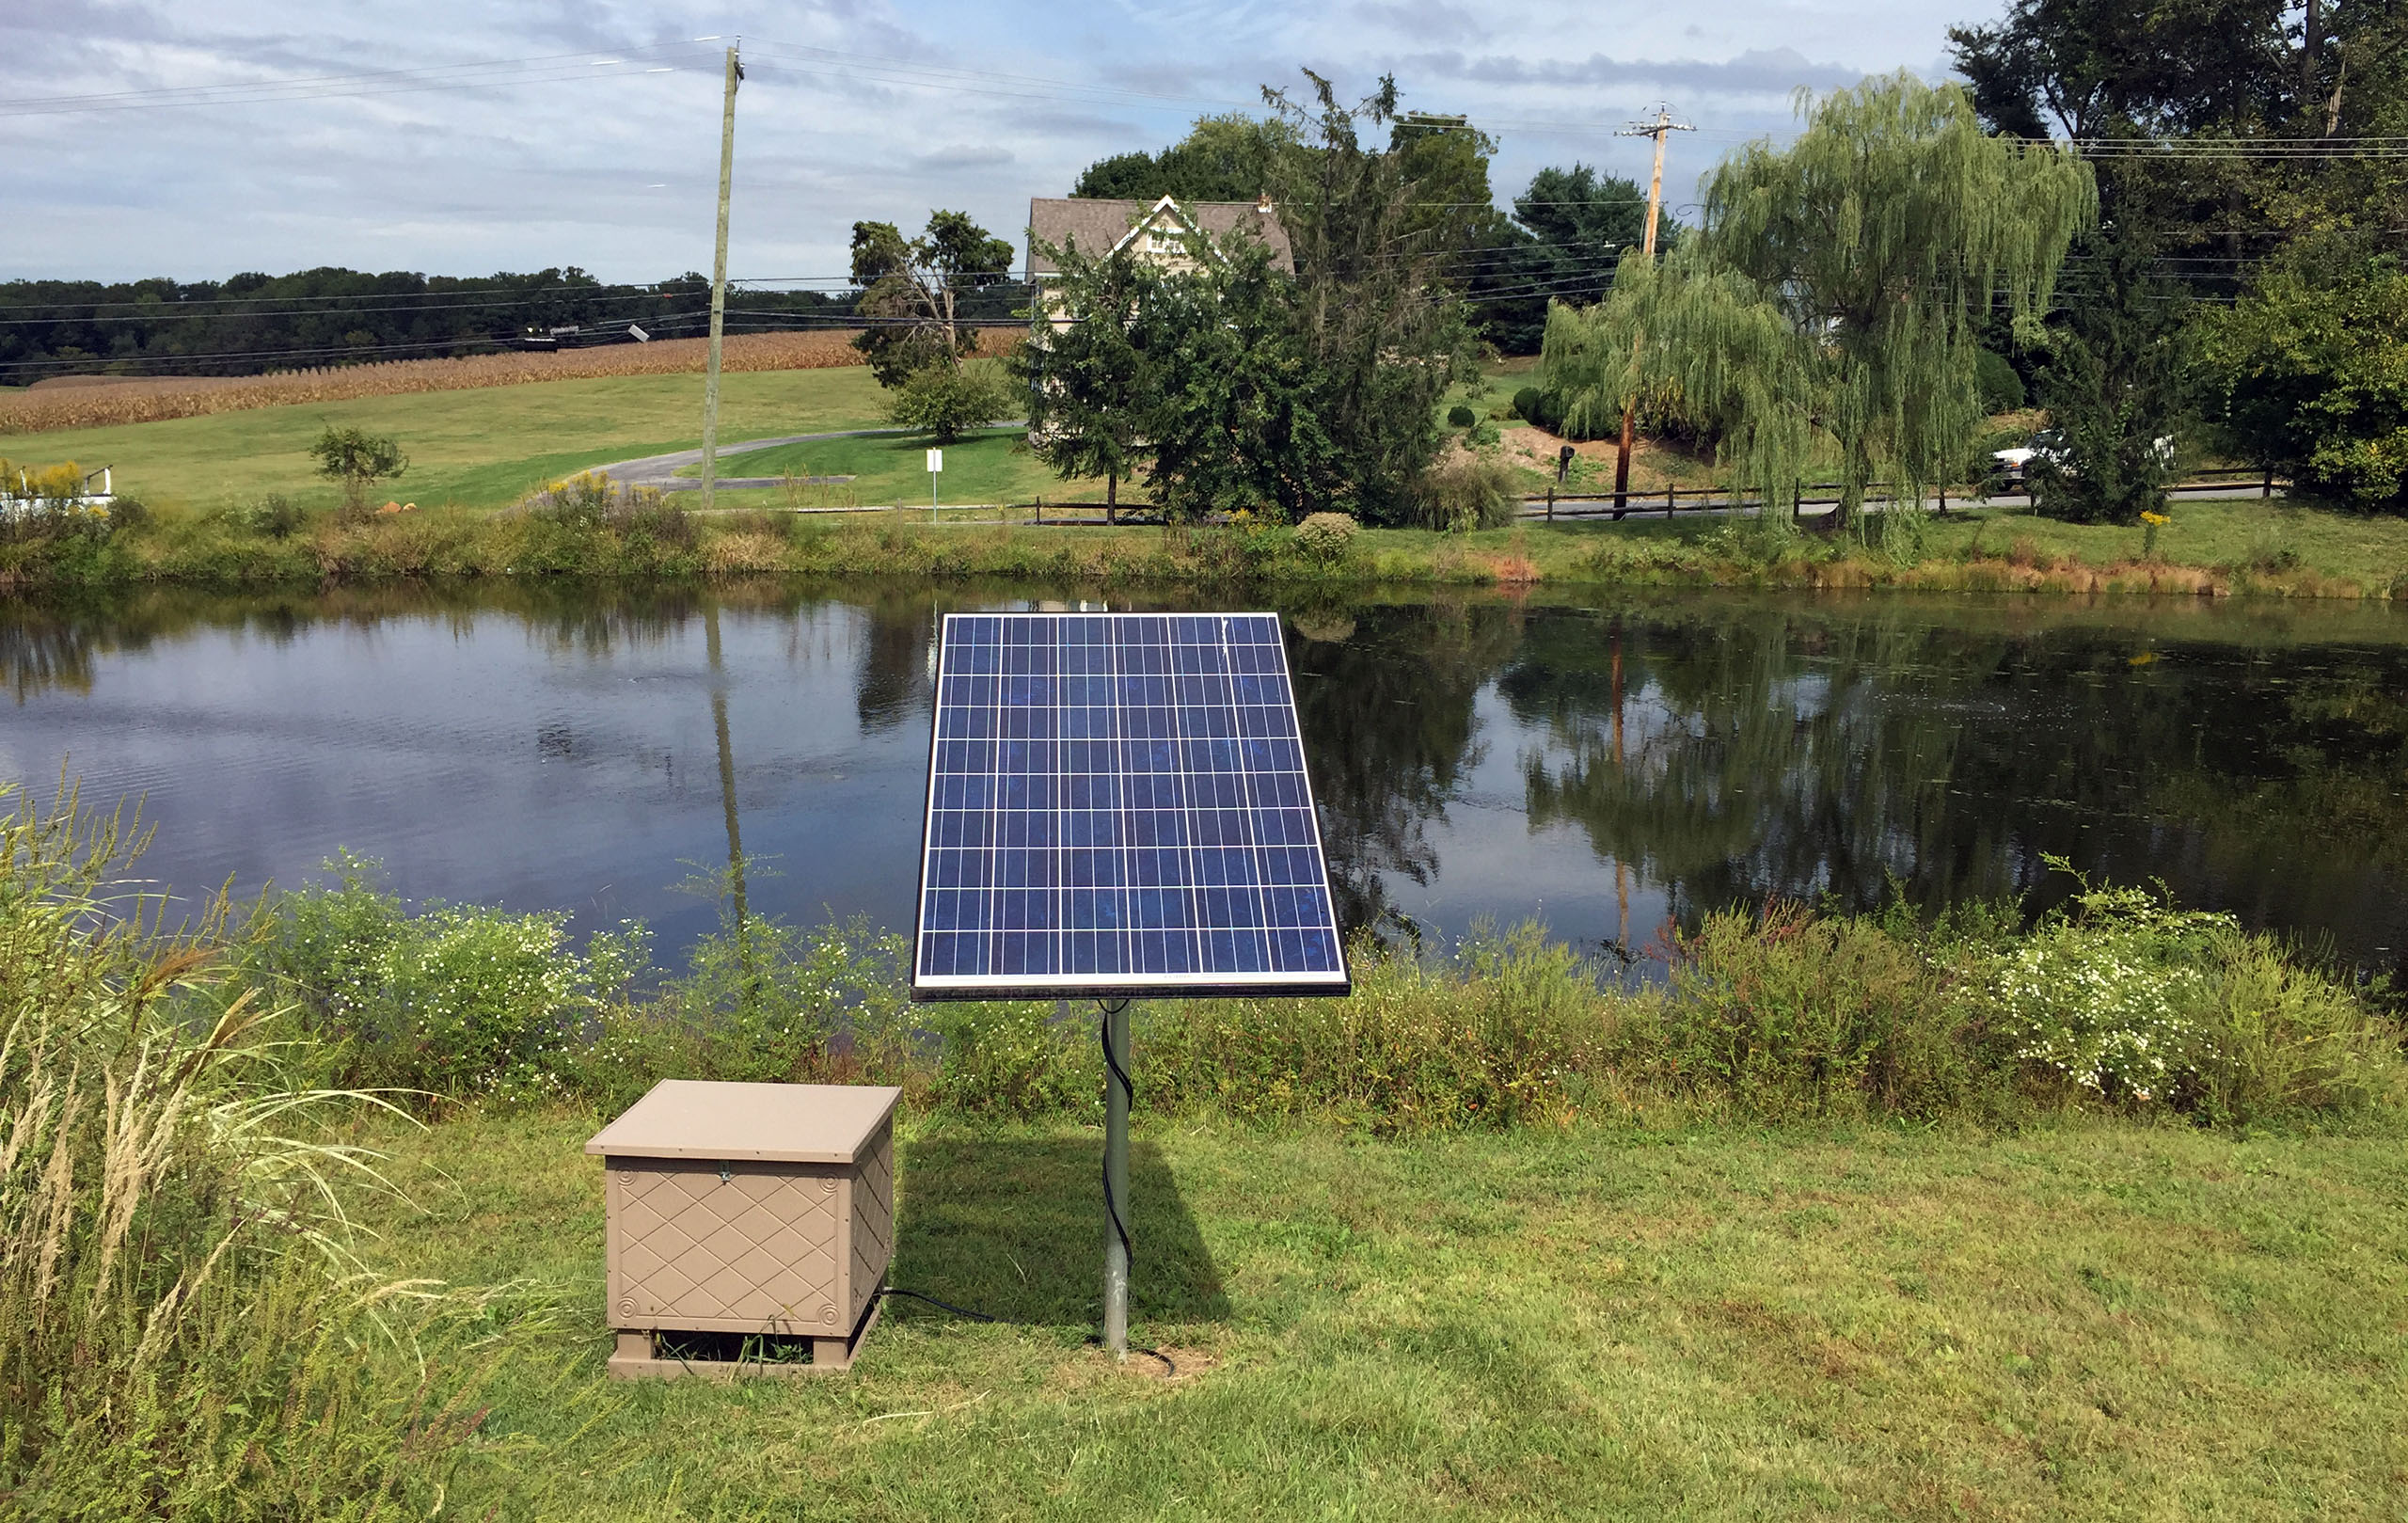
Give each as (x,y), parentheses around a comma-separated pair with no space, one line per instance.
(749,1207)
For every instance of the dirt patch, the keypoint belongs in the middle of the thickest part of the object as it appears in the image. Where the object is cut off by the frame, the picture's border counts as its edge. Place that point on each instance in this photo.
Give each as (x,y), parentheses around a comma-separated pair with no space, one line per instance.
(1652,461)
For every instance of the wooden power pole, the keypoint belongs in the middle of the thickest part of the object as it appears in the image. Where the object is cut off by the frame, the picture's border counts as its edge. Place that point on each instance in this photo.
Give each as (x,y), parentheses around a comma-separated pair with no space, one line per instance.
(719,286)
(1656,129)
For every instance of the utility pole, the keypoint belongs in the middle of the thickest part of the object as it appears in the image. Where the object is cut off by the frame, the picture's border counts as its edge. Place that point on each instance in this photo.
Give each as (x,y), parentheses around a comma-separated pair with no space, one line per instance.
(1656,129)
(719,286)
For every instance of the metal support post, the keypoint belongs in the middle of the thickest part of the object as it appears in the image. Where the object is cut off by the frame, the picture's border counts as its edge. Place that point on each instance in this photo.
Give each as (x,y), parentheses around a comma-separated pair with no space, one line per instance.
(1117,1095)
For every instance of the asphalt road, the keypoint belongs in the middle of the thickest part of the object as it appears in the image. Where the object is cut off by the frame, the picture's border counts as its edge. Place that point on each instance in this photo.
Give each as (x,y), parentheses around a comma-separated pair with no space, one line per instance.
(660,470)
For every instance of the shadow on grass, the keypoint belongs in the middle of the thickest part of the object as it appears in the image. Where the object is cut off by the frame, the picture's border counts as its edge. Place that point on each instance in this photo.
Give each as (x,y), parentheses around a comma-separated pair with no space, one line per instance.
(1014,1228)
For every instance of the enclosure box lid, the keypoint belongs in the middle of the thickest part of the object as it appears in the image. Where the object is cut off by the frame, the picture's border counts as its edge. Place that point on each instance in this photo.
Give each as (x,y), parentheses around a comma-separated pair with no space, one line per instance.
(783,1124)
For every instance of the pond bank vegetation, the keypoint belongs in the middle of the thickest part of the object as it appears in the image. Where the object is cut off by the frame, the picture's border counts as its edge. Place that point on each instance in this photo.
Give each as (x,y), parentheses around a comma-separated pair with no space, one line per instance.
(201,1131)
(2212,548)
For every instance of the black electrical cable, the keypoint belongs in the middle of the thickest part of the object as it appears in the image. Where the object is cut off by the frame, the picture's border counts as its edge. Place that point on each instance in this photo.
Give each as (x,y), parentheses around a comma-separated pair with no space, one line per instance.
(1129,1097)
(1171,1366)
(919,1295)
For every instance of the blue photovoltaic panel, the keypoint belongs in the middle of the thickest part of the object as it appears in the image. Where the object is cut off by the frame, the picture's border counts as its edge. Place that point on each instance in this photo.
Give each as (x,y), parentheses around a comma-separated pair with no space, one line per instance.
(1118,804)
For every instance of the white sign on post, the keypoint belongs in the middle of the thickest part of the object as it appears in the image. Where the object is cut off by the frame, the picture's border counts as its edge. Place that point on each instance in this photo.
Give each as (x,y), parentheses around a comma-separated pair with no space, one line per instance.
(936,459)
(935,463)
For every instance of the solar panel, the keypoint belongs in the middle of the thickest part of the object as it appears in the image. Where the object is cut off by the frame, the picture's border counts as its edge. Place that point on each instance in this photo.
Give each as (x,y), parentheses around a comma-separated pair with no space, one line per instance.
(1117,805)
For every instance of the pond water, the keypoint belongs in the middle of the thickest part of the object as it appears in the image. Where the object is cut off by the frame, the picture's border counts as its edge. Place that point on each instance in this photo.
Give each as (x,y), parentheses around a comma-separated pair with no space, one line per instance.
(1600,766)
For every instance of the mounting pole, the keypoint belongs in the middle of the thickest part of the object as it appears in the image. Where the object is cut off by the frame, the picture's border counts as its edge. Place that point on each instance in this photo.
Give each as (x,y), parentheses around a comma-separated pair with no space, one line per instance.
(719,286)
(1656,129)
(1116,1178)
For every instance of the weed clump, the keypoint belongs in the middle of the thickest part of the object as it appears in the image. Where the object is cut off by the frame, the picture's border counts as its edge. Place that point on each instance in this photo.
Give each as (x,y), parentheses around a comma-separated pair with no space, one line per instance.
(189,1333)
(589,501)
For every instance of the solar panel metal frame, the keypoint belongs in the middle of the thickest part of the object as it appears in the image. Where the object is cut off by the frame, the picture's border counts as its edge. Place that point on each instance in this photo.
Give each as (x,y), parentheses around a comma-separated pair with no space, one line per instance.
(1059,985)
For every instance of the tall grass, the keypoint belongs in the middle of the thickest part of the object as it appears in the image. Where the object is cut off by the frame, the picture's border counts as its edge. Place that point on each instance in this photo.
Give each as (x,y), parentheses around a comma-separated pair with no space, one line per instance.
(185,1330)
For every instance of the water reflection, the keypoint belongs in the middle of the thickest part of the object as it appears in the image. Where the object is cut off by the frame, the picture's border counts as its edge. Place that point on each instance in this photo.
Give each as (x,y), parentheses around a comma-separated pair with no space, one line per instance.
(580,748)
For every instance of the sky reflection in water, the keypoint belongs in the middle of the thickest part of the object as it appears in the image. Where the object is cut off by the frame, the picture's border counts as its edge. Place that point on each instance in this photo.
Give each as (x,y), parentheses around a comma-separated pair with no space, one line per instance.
(1474,759)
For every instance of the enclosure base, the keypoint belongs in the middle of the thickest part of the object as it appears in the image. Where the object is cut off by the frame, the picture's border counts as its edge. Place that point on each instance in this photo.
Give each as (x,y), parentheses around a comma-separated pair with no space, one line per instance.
(636,1360)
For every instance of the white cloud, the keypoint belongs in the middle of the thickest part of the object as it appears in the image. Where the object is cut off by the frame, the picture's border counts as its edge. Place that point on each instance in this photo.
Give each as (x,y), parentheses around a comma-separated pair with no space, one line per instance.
(615,169)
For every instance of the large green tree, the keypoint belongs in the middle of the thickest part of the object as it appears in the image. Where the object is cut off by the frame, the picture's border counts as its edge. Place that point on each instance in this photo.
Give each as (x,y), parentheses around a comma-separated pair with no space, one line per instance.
(1567,233)
(2224,127)
(1833,293)
(1383,328)
(1239,421)
(1223,158)
(2312,370)
(914,292)
(1092,379)
(2116,386)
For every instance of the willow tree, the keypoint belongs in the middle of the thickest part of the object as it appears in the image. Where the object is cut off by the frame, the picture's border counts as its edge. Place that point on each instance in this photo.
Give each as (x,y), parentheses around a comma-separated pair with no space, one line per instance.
(1830,299)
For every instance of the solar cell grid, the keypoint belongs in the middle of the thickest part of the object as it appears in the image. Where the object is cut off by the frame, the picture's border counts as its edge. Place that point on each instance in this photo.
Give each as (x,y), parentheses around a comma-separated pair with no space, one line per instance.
(1118,803)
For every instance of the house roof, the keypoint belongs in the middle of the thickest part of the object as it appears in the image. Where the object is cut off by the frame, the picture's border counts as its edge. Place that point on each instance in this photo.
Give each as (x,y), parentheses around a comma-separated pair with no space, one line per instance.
(1099,226)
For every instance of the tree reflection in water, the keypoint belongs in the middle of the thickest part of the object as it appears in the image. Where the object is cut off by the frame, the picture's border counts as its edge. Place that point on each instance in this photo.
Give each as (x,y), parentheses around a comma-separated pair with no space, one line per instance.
(1771,752)
(1387,718)
(1721,747)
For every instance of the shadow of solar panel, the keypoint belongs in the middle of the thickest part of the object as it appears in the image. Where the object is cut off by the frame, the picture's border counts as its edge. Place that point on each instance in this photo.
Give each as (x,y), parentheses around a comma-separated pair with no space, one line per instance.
(1118,804)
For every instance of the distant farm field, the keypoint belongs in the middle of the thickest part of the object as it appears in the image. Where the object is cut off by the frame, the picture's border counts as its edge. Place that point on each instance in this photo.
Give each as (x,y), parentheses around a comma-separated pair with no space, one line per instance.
(96,402)
(483,447)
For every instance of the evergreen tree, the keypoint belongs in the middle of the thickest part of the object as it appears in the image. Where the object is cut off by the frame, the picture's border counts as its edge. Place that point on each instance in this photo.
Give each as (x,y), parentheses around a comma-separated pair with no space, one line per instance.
(1224,158)
(1567,233)
(2114,385)
(1091,377)
(1834,292)
(1239,422)
(1382,331)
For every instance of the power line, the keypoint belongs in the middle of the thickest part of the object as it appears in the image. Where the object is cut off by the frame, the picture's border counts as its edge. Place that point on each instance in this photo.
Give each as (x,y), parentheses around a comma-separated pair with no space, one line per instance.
(479,75)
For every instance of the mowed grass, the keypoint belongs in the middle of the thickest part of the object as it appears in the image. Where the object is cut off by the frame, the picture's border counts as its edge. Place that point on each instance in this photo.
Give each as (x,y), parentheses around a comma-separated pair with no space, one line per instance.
(2371,551)
(479,449)
(2096,1319)
(987,466)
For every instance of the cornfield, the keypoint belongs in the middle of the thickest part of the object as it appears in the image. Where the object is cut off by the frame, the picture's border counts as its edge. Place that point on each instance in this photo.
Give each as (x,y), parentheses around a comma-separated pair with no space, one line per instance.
(99,401)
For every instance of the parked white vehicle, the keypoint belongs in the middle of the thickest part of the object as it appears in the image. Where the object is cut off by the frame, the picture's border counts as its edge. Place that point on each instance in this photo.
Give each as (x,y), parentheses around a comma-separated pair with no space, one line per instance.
(2015,465)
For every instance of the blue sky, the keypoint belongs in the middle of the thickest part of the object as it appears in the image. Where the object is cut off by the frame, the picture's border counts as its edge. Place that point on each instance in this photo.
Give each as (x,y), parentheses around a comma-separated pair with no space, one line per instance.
(602,150)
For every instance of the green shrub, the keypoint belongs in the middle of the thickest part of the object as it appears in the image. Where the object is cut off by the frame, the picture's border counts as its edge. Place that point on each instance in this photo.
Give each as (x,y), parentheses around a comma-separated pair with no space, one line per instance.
(1465,491)
(946,400)
(1513,1031)
(1326,537)
(275,516)
(1459,415)
(2105,993)
(2271,1038)
(1015,1061)
(1790,1013)
(1533,405)
(641,516)
(454,1000)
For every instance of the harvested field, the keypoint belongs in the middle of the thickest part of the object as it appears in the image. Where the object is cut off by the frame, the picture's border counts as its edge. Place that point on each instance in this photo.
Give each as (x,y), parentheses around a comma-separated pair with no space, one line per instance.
(151,399)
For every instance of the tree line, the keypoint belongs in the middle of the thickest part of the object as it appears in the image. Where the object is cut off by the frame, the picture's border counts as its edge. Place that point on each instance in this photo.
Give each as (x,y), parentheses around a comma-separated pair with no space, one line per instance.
(254,323)
(2178,222)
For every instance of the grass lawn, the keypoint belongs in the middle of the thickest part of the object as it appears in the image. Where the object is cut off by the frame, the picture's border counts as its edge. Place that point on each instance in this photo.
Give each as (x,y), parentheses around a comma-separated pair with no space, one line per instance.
(2207,532)
(2094,1320)
(480,449)
(986,467)
(2221,532)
